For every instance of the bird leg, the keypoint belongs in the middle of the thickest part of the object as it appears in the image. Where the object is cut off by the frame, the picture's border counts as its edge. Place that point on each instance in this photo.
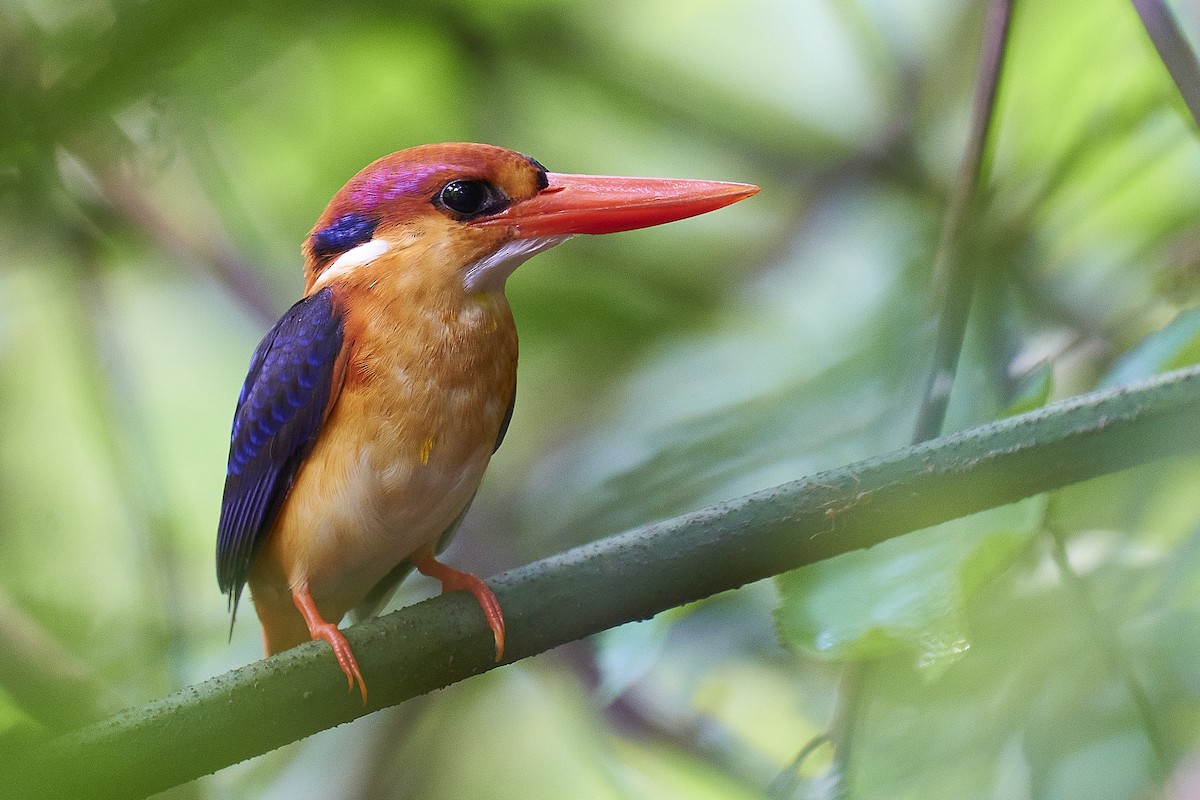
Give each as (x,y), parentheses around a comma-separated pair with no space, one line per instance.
(454,580)
(318,628)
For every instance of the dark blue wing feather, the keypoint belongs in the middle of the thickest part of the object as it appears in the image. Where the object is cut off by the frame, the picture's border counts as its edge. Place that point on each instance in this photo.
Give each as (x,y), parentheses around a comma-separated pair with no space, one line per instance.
(279,414)
(512,403)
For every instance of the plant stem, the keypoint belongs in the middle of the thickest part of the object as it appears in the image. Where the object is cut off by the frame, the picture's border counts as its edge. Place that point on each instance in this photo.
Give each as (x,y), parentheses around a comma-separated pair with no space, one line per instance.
(1173,48)
(630,576)
(953,269)
(958,272)
(1104,634)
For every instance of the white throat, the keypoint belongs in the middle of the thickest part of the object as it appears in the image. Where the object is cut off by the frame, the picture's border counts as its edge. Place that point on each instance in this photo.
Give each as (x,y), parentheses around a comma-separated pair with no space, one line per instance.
(489,273)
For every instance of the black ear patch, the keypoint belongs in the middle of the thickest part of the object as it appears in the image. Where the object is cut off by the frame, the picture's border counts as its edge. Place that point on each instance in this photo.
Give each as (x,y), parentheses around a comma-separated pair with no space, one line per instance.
(345,232)
(542,180)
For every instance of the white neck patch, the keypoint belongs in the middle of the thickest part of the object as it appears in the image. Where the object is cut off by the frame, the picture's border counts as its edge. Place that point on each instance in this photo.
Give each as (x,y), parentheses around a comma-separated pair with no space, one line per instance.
(350,260)
(490,272)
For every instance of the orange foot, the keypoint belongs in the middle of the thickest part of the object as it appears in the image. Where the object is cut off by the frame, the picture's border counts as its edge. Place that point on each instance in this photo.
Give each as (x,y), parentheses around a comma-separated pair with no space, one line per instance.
(453,581)
(318,628)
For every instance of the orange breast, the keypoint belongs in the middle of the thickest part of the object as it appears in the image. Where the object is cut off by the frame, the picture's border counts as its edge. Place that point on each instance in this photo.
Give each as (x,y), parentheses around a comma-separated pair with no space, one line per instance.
(429,377)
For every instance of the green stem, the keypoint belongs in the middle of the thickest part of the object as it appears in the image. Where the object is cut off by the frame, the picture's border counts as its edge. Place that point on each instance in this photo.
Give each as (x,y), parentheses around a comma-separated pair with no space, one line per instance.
(844,724)
(630,576)
(1104,634)
(959,272)
(953,268)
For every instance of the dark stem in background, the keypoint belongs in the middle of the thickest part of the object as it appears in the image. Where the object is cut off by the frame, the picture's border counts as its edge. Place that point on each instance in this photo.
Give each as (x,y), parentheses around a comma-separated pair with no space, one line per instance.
(633,575)
(955,274)
(1173,49)
(1181,63)
(110,380)
(1107,642)
(788,782)
(213,254)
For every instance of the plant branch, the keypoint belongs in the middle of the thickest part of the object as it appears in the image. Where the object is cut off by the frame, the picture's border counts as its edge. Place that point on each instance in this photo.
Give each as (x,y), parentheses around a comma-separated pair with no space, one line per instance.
(953,269)
(1104,634)
(1173,48)
(958,273)
(630,576)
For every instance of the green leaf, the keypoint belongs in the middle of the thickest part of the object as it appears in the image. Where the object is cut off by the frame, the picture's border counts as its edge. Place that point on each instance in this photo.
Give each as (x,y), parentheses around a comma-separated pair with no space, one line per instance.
(1176,345)
(1033,390)
(1118,767)
(16,726)
(907,594)
(11,715)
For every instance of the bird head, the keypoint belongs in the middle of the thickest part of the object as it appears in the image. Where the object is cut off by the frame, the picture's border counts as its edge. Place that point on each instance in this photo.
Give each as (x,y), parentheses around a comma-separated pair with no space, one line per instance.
(476,212)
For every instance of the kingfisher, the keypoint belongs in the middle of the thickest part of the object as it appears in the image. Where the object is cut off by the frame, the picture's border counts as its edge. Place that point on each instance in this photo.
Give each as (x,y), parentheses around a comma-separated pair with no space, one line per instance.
(372,407)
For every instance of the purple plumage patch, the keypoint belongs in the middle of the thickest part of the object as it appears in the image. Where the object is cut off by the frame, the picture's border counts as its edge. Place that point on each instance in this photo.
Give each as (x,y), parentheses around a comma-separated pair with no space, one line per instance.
(389,182)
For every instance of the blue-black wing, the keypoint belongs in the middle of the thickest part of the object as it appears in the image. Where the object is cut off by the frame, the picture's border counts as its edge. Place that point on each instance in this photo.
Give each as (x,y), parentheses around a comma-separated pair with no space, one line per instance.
(512,403)
(283,403)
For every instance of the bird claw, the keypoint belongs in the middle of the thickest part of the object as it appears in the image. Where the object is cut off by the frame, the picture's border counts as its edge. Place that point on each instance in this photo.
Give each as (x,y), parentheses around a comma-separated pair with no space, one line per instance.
(345,657)
(454,580)
(318,628)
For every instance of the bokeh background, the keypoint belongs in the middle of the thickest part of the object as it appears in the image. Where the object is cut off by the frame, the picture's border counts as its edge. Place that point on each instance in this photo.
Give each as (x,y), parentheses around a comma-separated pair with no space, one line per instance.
(160,164)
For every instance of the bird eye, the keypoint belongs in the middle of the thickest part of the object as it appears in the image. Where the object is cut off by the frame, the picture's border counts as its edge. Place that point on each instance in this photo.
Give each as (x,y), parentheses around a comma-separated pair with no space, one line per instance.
(471,198)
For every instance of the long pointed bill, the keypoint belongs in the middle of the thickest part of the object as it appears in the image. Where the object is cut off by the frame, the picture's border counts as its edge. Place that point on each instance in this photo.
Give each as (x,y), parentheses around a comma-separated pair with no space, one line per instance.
(600,204)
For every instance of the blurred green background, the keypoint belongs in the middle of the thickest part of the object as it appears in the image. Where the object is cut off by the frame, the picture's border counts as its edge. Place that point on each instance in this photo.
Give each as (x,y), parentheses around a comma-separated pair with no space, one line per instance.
(161,162)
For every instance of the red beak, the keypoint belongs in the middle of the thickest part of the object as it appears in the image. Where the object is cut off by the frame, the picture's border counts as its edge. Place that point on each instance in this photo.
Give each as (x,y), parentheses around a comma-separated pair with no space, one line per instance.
(601,204)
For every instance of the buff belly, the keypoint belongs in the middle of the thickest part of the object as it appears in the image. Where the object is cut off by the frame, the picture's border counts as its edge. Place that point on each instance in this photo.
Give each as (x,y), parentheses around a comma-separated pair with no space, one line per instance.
(356,512)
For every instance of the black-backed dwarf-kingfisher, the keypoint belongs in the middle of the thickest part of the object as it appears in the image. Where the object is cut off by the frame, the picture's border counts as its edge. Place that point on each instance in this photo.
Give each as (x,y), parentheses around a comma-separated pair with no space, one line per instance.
(372,407)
